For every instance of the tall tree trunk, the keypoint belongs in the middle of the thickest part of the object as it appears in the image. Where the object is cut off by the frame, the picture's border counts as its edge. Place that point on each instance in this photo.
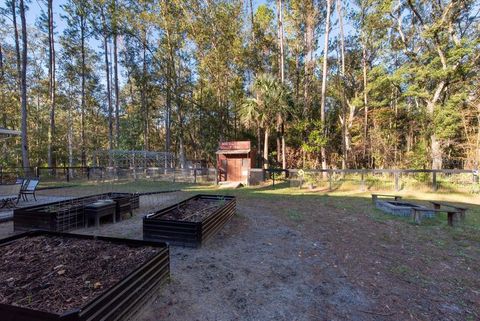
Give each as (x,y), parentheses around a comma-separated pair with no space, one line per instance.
(324,79)
(82,117)
(265,149)
(70,136)
(168,113)
(109,92)
(365,98)
(25,157)
(436,147)
(2,81)
(2,71)
(259,147)
(342,86)
(117,90)
(17,48)
(143,95)
(309,63)
(252,21)
(51,86)
(280,120)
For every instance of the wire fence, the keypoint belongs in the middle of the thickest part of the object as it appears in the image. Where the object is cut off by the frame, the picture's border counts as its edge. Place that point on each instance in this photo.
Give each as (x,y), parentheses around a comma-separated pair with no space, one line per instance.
(96,173)
(378,180)
(330,179)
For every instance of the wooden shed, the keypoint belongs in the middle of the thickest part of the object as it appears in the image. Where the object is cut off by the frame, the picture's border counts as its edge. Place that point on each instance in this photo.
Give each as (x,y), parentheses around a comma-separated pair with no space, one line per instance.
(234,160)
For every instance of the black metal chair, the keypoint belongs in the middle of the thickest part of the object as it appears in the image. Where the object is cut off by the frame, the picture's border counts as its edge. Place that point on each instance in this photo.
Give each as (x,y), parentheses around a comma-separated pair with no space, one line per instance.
(29,188)
(9,195)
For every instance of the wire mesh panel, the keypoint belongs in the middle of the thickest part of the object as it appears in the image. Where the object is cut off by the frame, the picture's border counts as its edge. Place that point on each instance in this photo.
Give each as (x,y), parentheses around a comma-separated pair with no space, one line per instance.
(386,180)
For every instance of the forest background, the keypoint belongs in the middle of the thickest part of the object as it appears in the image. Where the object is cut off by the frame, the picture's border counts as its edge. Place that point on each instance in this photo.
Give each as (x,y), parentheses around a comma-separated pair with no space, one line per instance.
(312,83)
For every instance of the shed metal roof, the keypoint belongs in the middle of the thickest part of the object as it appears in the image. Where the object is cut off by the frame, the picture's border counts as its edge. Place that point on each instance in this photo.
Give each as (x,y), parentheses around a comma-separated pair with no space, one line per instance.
(233,151)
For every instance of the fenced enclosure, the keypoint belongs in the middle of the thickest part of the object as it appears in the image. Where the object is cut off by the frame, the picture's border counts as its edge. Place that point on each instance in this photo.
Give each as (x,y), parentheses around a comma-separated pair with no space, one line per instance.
(382,179)
(133,158)
(98,173)
(329,179)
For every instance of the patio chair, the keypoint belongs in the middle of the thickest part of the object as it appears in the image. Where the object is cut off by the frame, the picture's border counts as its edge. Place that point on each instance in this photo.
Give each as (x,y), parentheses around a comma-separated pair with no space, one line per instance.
(9,195)
(29,188)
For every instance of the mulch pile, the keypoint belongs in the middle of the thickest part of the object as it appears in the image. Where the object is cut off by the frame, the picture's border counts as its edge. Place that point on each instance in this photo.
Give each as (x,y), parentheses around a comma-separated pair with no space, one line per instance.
(57,275)
(193,211)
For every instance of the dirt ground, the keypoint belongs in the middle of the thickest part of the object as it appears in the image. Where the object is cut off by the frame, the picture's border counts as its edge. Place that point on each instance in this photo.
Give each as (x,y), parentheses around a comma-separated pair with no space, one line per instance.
(288,257)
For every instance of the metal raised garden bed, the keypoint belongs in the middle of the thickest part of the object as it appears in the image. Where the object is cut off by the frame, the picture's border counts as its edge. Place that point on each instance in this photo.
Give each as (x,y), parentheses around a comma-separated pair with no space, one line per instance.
(180,232)
(69,214)
(119,302)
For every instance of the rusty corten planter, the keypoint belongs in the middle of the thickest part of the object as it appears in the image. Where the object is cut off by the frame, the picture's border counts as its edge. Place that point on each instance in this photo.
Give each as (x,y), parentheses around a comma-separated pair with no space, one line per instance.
(180,232)
(119,302)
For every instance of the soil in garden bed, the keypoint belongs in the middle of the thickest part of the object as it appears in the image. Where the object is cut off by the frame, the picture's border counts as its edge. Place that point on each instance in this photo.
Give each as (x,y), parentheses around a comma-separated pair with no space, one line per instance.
(56,274)
(194,210)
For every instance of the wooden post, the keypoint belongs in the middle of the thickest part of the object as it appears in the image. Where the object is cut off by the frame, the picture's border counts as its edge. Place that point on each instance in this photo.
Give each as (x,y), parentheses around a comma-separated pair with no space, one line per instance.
(195,173)
(397,187)
(1,175)
(434,181)
(362,187)
(329,180)
(216,176)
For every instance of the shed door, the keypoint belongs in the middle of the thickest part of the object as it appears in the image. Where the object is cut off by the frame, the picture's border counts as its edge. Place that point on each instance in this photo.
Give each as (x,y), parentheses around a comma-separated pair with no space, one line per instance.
(234,169)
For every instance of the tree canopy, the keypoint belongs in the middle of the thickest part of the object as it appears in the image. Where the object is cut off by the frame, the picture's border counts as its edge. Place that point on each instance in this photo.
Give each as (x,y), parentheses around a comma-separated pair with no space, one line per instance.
(312,83)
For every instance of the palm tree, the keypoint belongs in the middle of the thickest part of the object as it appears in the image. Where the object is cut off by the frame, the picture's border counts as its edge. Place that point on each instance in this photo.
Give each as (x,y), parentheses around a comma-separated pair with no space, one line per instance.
(261,111)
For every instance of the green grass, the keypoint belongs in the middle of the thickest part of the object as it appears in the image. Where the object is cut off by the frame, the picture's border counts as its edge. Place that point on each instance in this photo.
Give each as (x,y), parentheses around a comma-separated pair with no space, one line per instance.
(349,201)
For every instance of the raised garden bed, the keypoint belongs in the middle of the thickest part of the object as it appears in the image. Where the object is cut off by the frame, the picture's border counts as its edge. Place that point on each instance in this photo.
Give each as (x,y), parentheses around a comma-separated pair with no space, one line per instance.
(401,208)
(190,222)
(66,215)
(57,276)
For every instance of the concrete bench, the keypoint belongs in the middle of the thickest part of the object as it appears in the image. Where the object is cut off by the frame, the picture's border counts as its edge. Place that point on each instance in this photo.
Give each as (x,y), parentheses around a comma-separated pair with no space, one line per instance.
(461,209)
(376,196)
(417,214)
(98,210)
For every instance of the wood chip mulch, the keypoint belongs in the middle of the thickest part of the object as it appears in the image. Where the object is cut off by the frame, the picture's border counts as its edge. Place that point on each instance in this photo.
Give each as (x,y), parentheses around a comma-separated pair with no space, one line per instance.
(194,210)
(57,275)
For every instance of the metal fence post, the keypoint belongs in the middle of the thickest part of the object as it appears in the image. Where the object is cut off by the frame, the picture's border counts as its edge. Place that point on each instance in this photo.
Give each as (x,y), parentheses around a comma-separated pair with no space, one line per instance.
(216,176)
